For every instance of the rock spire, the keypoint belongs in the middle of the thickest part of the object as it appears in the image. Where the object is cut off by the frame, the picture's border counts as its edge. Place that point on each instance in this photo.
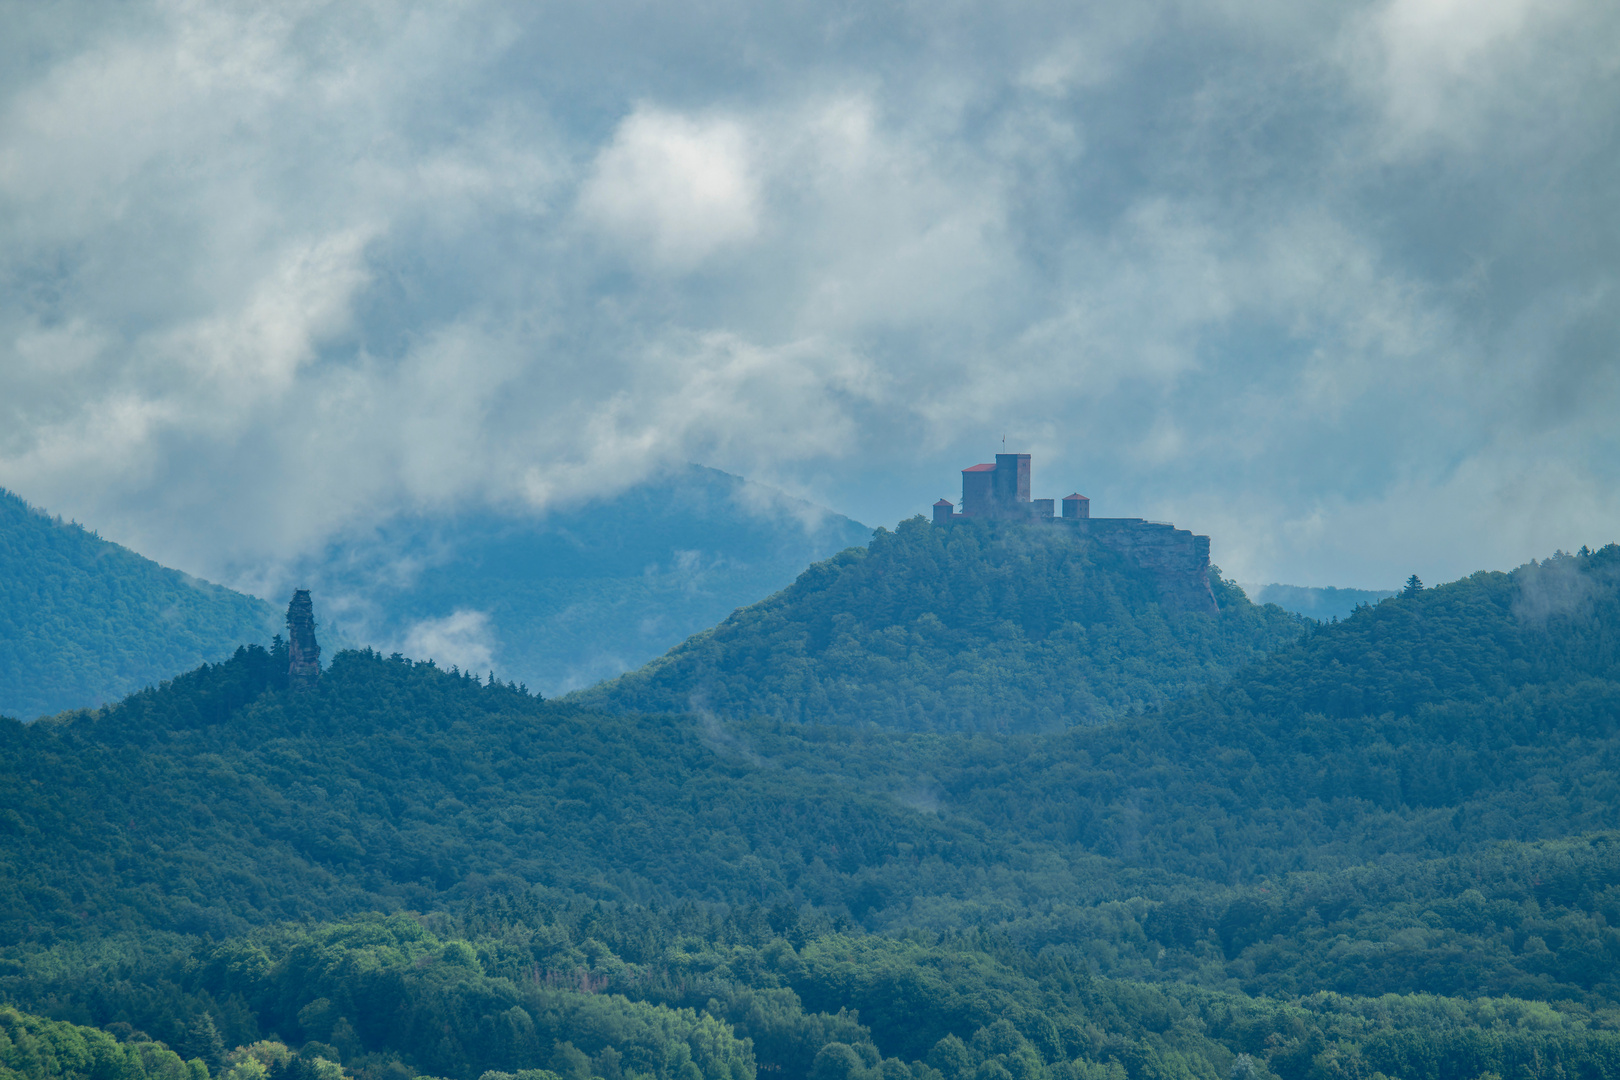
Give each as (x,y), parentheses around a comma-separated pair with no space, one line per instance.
(303,652)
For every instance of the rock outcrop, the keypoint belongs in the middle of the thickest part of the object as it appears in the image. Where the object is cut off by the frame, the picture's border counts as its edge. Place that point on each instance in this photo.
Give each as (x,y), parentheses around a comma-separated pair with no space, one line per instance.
(303,651)
(1177,559)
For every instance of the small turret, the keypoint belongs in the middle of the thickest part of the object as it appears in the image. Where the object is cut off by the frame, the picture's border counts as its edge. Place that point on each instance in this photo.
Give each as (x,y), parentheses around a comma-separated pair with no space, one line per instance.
(942,512)
(303,652)
(1076,507)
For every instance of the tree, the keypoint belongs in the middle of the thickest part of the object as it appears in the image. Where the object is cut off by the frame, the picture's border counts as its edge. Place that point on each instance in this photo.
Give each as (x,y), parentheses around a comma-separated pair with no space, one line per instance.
(1413,586)
(204,1041)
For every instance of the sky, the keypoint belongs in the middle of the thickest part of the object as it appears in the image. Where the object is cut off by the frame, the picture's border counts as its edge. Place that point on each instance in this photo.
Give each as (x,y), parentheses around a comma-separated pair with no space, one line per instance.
(1336,284)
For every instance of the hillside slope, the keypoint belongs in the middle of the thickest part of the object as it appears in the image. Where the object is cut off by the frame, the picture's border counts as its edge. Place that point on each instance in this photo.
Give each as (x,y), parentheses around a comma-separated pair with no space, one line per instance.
(1334,816)
(983,626)
(1420,800)
(84,621)
(561,601)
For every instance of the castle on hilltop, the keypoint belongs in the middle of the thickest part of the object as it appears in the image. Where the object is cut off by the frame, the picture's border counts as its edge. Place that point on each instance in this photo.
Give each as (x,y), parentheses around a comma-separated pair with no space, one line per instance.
(1177,559)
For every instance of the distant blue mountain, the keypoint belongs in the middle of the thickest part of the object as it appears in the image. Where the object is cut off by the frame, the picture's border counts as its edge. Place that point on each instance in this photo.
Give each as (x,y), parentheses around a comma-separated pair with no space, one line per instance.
(1323,603)
(84,621)
(562,600)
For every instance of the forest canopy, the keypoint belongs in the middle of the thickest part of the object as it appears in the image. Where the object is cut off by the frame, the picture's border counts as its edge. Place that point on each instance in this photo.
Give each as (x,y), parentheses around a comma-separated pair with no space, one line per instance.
(1389,846)
(982,626)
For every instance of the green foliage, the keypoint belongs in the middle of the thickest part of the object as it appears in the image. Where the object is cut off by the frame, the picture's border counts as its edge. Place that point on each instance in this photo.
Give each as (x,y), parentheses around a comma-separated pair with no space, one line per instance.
(399,988)
(34,1048)
(988,626)
(1402,745)
(84,621)
(709,998)
(1388,849)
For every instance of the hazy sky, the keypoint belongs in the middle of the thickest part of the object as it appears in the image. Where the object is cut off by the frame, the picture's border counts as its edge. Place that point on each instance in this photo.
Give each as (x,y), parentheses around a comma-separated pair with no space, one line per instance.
(1336,284)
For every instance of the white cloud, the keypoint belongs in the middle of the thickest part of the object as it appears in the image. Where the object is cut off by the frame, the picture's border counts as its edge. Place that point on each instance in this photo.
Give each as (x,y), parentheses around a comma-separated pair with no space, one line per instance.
(674,189)
(1454,74)
(709,396)
(270,274)
(461,639)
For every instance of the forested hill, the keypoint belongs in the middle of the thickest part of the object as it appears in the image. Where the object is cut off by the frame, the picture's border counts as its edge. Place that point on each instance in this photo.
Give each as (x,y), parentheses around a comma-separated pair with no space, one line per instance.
(1428,727)
(84,621)
(984,626)
(1401,828)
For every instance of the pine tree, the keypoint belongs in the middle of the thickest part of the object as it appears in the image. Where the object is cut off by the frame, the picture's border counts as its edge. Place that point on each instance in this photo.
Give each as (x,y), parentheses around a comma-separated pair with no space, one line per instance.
(203,1041)
(1413,586)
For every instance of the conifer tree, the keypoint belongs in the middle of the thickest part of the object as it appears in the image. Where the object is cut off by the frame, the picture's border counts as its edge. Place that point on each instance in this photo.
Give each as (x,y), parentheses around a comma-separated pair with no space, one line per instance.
(203,1041)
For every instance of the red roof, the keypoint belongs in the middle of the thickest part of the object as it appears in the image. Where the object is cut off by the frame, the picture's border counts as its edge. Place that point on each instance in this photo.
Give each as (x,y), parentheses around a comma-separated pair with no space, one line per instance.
(978,468)
(944,502)
(1076,495)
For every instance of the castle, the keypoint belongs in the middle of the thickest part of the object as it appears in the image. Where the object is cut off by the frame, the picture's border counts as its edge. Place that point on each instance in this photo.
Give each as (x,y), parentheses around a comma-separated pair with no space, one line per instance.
(1177,560)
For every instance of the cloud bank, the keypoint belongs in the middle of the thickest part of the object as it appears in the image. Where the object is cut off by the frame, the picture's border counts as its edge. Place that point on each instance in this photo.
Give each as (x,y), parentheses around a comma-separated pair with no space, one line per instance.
(1337,284)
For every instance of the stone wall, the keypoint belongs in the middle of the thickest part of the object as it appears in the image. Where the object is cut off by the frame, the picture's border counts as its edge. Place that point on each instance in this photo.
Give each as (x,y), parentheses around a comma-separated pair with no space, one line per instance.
(1177,559)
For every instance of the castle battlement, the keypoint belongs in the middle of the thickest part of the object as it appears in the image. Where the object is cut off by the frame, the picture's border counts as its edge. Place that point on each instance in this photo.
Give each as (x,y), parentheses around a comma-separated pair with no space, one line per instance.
(1177,559)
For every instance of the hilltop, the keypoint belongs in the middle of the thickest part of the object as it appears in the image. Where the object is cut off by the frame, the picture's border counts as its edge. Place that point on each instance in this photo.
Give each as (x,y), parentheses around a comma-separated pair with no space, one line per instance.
(982,625)
(85,621)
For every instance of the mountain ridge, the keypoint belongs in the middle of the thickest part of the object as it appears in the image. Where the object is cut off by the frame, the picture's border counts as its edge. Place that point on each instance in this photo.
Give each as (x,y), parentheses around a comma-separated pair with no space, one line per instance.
(86,621)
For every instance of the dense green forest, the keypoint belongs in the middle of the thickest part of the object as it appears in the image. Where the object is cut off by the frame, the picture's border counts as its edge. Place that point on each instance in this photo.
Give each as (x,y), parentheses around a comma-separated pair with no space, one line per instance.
(515,986)
(1387,848)
(84,621)
(579,594)
(986,625)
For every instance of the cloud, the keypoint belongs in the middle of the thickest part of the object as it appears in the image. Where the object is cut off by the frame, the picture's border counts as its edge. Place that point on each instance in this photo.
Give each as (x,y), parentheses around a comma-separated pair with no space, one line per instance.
(1322,282)
(1556,587)
(708,396)
(674,187)
(1441,68)
(462,639)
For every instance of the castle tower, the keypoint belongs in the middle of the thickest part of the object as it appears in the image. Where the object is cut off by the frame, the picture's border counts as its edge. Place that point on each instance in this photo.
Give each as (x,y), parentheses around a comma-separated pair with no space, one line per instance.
(977,496)
(303,652)
(1076,507)
(942,512)
(1011,481)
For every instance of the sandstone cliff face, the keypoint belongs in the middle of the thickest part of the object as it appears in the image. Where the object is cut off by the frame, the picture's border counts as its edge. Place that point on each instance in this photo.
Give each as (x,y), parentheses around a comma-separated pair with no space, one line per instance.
(303,652)
(1178,560)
